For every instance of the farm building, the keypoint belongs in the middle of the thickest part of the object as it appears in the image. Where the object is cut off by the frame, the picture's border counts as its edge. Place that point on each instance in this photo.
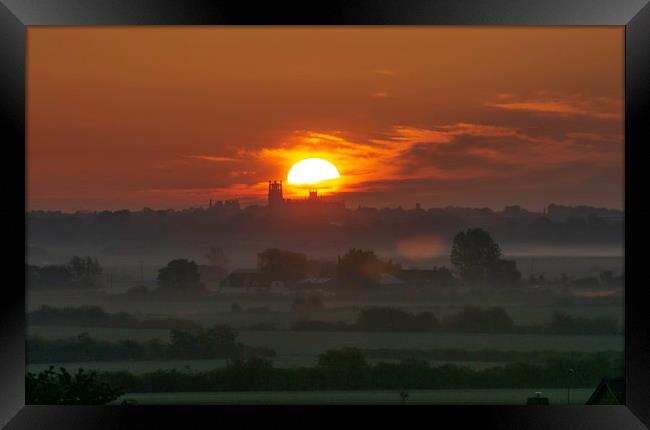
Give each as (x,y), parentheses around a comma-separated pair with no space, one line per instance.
(243,278)
(389,280)
(212,276)
(315,283)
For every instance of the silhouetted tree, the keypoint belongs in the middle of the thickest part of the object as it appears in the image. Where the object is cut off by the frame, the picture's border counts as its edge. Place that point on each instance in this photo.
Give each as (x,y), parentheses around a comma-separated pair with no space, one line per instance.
(359,268)
(180,276)
(216,257)
(477,258)
(281,265)
(85,271)
(473,254)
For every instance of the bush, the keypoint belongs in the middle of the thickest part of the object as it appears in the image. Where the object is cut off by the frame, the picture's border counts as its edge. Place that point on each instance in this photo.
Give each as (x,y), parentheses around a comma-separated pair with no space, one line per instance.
(567,324)
(61,388)
(393,319)
(474,319)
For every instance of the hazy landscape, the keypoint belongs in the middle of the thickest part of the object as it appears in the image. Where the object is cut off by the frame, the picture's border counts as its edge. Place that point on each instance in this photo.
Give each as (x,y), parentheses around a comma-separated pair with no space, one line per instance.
(555,309)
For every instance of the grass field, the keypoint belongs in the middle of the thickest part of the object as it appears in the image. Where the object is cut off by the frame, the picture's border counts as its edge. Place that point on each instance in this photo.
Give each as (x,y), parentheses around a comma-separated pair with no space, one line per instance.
(302,348)
(203,365)
(313,343)
(556,396)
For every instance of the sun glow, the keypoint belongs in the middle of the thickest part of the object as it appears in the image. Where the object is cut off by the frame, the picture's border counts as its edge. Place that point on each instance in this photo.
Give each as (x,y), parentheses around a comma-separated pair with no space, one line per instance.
(312,171)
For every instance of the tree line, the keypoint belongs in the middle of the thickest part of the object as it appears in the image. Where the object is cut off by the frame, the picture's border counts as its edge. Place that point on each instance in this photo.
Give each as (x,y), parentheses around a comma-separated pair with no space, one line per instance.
(216,342)
(79,272)
(470,319)
(476,257)
(95,316)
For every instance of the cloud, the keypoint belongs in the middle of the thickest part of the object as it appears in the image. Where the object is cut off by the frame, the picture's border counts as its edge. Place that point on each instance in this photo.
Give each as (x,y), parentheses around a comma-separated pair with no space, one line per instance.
(431,161)
(563,106)
(237,173)
(213,158)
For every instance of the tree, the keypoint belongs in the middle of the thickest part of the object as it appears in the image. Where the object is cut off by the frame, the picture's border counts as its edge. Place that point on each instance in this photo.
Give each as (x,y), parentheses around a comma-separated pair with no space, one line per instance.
(216,257)
(78,272)
(281,265)
(180,276)
(473,254)
(477,258)
(85,271)
(219,341)
(359,268)
(61,388)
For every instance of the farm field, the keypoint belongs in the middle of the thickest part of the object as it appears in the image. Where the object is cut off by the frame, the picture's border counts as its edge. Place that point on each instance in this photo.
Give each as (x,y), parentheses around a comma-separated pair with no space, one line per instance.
(296,349)
(556,396)
(204,365)
(216,309)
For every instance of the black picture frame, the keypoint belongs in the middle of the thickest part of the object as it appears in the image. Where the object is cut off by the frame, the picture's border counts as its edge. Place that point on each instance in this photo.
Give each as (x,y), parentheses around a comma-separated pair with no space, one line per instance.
(16,15)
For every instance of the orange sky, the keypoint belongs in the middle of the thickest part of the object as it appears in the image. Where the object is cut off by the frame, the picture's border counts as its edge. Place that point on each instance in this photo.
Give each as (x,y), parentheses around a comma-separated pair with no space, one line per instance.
(163,117)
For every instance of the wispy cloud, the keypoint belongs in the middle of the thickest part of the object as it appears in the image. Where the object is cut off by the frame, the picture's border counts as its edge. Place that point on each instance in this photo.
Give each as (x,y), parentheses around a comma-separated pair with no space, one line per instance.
(213,158)
(439,157)
(567,106)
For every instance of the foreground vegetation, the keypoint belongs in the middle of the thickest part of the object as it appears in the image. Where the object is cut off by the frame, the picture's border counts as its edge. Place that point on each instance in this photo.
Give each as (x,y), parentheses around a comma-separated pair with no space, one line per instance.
(342,369)
(52,387)
(348,369)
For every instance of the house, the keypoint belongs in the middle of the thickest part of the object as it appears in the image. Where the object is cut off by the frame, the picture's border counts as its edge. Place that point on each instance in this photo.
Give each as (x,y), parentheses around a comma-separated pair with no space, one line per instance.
(315,282)
(388,280)
(243,279)
(609,392)
(212,275)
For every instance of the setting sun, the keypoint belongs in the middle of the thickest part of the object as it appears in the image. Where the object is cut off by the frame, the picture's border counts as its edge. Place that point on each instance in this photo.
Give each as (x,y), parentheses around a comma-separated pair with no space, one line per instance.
(312,171)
